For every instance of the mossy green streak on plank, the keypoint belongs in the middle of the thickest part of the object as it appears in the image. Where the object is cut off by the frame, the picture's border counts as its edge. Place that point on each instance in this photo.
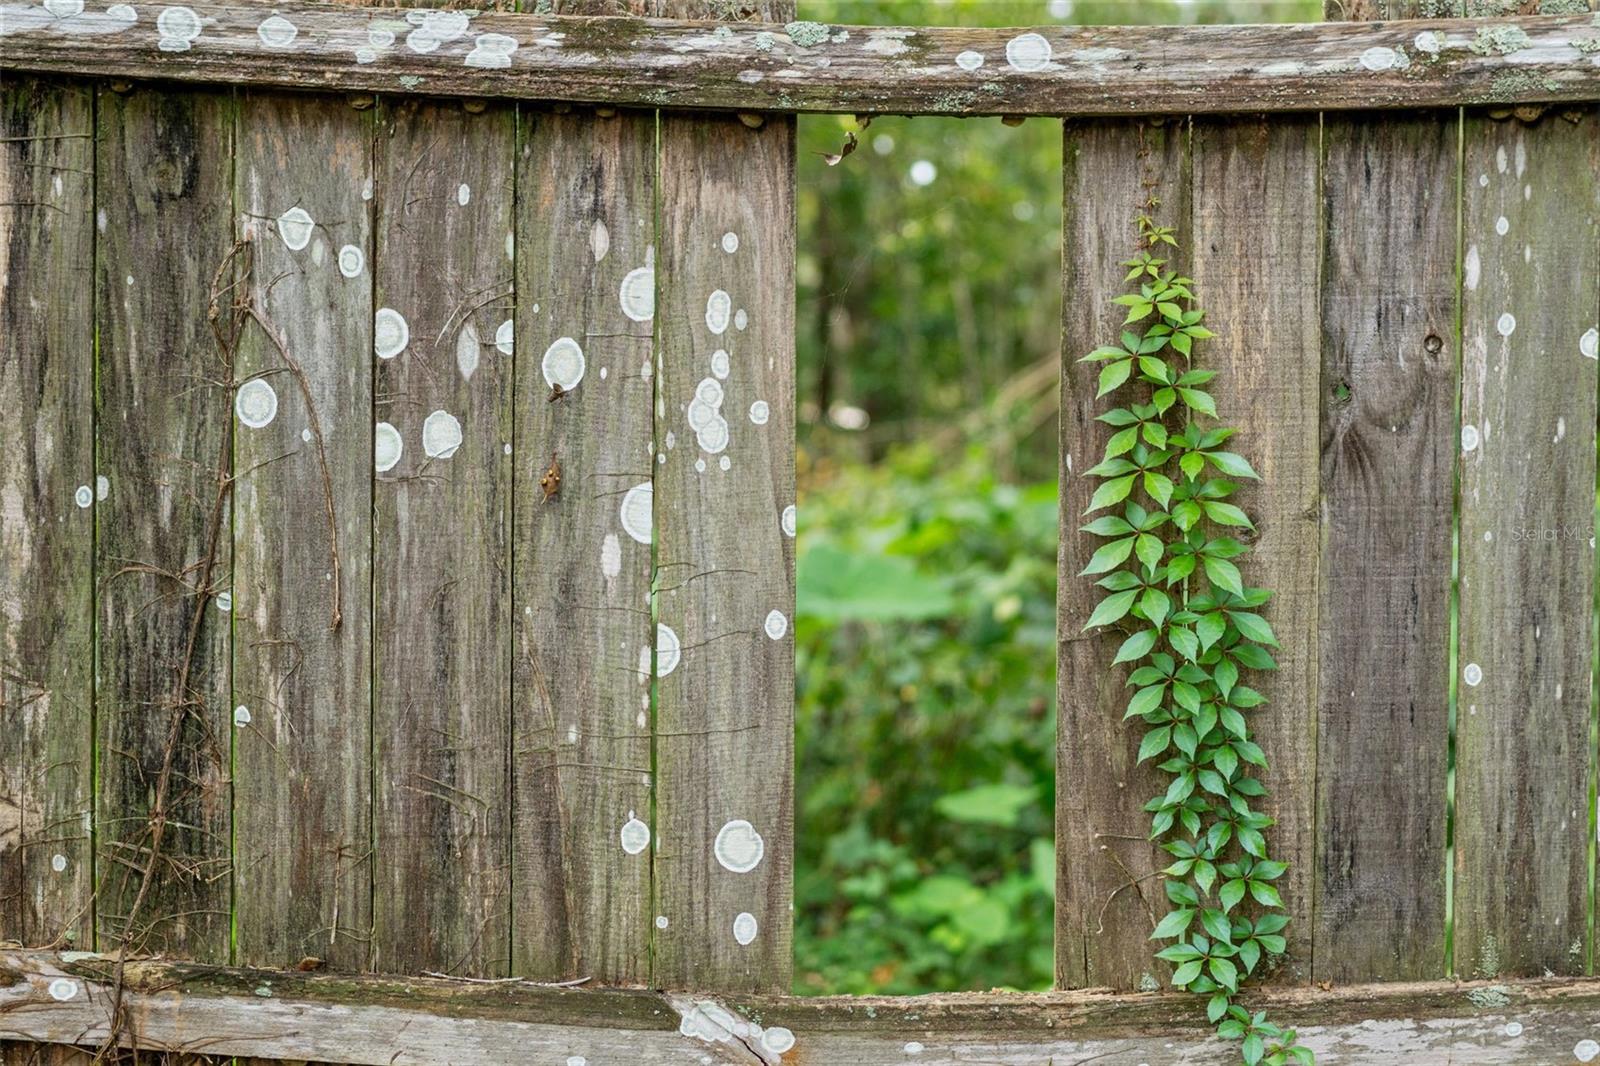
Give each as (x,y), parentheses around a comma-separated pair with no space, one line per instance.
(47,509)
(584,469)
(1531,297)
(1256,264)
(441,547)
(302,657)
(1106,902)
(1388,482)
(164,548)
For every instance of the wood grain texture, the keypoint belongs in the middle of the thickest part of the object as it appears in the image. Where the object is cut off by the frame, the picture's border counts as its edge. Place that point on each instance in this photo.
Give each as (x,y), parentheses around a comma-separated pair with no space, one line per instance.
(1123,70)
(164,548)
(583,627)
(1256,261)
(47,511)
(1531,292)
(1388,402)
(441,550)
(385,1021)
(1106,905)
(302,780)
(725,577)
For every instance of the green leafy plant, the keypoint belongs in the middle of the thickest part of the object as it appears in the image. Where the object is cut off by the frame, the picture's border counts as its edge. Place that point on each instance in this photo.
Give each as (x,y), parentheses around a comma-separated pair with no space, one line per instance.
(1193,629)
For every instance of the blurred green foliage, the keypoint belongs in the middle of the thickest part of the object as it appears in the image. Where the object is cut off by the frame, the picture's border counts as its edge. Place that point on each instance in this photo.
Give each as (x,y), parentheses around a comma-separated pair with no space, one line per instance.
(928,343)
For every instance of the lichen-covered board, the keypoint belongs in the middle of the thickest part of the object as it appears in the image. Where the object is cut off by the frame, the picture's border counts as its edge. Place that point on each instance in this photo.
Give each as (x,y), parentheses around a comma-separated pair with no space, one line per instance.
(441,273)
(1106,901)
(1530,304)
(1388,487)
(47,509)
(301,602)
(1256,257)
(724,493)
(582,751)
(164,551)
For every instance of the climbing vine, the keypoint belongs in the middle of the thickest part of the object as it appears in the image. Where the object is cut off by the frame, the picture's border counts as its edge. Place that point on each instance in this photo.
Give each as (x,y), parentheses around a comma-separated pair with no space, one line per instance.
(1193,630)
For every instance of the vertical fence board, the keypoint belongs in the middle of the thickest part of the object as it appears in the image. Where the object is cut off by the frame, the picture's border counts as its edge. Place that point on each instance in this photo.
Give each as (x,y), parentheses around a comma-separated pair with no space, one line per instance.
(441,558)
(725,584)
(1256,258)
(1106,902)
(163,550)
(46,510)
(582,748)
(1531,286)
(303,760)
(1388,481)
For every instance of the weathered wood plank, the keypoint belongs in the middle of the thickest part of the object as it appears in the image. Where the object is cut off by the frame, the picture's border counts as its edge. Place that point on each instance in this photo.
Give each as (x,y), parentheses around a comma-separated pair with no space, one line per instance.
(163,555)
(47,510)
(302,658)
(584,631)
(1106,903)
(441,552)
(1256,260)
(1388,403)
(1531,280)
(1376,10)
(805,66)
(725,574)
(386,1021)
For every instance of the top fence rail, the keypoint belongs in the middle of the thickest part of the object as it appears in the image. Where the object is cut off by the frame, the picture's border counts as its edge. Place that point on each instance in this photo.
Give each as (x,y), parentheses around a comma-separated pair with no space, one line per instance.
(809,66)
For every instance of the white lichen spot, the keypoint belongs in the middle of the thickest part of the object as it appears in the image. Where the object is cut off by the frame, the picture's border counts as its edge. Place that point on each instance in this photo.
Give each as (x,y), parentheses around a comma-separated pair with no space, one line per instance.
(563,364)
(1430,42)
(491,51)
(468,349)
(241,716)
(63,989)
(505,337)
(365,55)
(720,363)
(610,556)
(635,835)
(1522,156)
(637,514)
(787,519)
(1483,180)
(102,486)
(1513,1029)
(295,226)
(256,403)
(390,334)
(441,435)
(719,306)
(1502,162)
(1379,57)
(725,463)
(1506,324)
(661,921)
(577,1060)
(58,862)
(1585,1050)
(745,928)
(1589,344)
(463,194)
(599,240)
(700,466)
(179,28)
(1469,438)
(277,32)
(739,847)
(1472,268)
(224,602)
(669,650)
(730,242)
(776,625)
(1472,674)
(740,320)
(387,447)
(638,294)
(1028,52)
(351,261)
(759,412)
(1561,430)
(64,9)
(913,1047)
(84,497)
(777,1039)
(969,60)
(1502,225)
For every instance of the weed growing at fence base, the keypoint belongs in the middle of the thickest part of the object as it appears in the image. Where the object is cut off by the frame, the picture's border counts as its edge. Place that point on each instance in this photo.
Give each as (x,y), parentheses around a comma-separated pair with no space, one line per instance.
(1193,629)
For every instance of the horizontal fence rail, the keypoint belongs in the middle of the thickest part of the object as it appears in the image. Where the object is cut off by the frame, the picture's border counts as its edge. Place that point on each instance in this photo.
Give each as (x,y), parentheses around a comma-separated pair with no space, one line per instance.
(808,66)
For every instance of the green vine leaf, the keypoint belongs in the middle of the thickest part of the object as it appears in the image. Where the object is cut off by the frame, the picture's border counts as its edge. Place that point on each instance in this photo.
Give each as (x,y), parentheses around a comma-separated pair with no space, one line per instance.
(1191,628)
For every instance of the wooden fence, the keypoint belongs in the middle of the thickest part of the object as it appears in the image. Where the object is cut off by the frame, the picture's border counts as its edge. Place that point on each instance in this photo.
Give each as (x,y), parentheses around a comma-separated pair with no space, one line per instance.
(397,511)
